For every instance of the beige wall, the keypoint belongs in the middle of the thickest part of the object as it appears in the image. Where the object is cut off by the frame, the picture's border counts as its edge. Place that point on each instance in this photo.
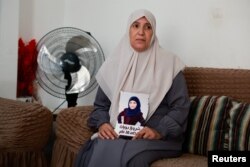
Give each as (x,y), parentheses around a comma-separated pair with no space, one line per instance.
(9,19)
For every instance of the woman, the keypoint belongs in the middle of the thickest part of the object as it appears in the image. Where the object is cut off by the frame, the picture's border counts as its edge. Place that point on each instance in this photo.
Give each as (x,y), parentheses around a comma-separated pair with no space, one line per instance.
(142,67)
(132,114)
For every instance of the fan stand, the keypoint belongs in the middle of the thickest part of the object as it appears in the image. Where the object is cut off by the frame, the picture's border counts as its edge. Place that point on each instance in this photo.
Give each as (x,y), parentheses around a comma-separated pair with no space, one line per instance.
(70,63)
(71,99)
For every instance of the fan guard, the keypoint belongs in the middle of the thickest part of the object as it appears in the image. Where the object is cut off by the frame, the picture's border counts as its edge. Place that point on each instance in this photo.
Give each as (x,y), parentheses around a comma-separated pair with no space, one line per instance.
(59,41)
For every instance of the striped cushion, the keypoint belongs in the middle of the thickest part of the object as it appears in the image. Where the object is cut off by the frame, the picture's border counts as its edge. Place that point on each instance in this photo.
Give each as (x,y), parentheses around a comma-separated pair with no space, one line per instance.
(207,127)
(239,132)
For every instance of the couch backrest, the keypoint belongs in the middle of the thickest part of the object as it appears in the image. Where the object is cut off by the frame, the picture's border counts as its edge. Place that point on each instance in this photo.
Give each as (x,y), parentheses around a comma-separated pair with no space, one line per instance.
(234,83)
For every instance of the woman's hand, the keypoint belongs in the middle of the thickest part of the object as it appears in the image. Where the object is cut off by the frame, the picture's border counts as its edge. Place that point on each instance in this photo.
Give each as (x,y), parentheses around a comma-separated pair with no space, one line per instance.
(106,131)
(147,133)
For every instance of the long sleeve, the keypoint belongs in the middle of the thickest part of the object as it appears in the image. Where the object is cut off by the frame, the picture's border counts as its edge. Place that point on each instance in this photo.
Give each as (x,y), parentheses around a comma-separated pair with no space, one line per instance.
(120,117)
(170,118)
(100,114)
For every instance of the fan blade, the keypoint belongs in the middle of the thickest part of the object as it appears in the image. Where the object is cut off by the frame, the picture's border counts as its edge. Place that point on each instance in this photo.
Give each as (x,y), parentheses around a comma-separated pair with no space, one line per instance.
(47,62)
(80,80)
(83,50)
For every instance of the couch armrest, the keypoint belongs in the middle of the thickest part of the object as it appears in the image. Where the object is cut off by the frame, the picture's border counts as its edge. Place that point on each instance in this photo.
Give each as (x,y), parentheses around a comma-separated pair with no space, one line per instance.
(71,133)
(24,131)
(71,125)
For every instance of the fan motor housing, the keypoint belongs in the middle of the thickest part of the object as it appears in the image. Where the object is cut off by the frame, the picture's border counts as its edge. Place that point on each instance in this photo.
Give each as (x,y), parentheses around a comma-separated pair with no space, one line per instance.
(70,62)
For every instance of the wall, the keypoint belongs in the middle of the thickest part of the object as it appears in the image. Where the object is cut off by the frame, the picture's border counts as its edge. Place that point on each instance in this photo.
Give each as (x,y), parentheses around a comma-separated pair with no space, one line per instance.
(9,19)
(208,33)
(39,17)
(212,33)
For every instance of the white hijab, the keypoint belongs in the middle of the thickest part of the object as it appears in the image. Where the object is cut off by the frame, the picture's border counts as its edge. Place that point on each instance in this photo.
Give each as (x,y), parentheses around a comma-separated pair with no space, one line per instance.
(150,72)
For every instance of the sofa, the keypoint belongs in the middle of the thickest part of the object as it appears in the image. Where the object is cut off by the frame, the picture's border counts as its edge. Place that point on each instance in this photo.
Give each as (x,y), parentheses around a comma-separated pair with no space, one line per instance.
(219,119)
(25,129)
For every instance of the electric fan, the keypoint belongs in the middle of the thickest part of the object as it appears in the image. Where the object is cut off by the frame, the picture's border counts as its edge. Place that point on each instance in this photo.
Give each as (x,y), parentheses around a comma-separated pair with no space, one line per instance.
(68,59)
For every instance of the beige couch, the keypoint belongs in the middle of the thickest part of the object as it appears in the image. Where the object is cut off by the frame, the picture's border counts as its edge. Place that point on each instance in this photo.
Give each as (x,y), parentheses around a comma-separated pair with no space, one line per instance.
(25,129)
(224,90)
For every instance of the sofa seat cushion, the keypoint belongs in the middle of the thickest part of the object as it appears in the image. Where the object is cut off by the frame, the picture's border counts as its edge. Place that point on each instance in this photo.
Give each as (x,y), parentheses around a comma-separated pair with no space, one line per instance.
(187,160)
(207,126)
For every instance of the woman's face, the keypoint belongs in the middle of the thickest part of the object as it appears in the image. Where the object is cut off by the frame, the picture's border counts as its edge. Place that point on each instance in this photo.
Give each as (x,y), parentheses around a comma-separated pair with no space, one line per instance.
(140,34)
(132,104)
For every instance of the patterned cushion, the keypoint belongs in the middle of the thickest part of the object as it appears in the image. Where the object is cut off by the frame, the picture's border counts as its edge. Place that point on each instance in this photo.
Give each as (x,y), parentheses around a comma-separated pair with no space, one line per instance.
(207,127)
(239,132)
